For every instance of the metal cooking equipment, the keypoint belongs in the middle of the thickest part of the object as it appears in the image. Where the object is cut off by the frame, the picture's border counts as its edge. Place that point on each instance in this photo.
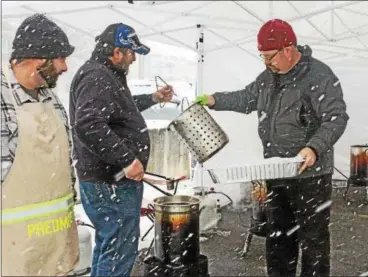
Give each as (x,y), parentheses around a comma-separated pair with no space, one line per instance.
(199,132)
(272,168)
(359,165)
(177,229)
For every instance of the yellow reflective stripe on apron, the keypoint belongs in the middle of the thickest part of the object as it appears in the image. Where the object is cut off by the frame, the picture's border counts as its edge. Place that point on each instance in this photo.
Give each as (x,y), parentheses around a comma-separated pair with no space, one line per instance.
(25,213)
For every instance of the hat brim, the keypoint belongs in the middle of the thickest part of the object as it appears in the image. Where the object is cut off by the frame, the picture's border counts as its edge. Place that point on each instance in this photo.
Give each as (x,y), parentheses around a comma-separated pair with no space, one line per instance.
(142,49)
(69,50)
(42,53)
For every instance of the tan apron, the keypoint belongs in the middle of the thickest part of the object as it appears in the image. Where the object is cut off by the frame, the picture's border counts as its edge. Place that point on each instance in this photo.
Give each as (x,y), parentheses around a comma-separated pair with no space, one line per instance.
(39,233)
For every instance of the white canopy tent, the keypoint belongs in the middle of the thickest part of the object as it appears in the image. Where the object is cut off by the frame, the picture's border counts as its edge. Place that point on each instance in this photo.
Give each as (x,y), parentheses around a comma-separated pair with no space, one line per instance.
(222,35)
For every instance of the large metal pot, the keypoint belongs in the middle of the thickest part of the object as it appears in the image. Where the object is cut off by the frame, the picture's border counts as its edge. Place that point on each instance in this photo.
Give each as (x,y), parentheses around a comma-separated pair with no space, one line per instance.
(359,165)
(199,132)
(177,229)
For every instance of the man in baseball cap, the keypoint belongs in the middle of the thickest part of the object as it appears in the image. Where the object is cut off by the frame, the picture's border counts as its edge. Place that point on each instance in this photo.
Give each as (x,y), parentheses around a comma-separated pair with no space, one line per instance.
(110,135)
(36,169)
(301,110)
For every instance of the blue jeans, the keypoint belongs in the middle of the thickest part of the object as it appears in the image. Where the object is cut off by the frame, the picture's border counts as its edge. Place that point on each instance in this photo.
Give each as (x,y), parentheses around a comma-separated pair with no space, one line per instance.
(115,213)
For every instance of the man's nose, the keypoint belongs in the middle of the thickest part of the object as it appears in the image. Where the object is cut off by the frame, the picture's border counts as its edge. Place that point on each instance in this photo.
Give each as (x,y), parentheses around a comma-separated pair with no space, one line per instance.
(63,66)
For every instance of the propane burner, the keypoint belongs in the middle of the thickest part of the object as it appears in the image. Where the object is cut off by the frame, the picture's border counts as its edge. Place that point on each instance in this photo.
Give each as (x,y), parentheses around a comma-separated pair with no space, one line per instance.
(177,249)
(156,268)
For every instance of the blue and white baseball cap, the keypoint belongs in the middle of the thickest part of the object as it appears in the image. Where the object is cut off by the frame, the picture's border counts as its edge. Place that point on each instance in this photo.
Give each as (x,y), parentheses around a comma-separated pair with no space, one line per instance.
(123,36)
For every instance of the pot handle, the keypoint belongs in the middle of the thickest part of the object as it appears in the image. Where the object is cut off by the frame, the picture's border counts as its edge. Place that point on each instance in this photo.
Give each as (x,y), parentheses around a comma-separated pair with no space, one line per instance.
(182,103)
(201,209)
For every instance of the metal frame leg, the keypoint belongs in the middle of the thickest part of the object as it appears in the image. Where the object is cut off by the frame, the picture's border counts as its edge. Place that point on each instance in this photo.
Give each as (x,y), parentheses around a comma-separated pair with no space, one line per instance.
(149,230)
(248,241)
(152,218)
(149,248)
(346,190)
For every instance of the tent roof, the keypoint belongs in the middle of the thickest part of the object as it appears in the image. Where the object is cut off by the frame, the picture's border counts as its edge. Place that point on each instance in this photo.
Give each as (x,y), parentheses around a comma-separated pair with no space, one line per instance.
(338,30)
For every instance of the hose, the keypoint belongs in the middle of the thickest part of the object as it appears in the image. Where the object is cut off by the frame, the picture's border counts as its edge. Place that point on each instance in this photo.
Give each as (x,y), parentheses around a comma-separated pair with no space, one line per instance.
(81,223)
(224,194)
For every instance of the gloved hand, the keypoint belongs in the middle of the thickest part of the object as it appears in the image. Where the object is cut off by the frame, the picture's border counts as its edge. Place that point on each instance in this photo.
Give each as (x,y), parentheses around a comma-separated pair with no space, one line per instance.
(205,100)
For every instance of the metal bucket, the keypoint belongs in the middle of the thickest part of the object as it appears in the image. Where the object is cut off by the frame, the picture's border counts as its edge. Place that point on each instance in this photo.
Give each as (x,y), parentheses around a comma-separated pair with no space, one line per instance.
(359,165)
(199,132)
(177,229)
(259,216)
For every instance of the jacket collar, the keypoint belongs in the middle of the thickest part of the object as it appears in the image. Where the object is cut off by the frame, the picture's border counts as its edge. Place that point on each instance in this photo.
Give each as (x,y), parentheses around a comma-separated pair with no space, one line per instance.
(102,59)
(298,70)
(20,94)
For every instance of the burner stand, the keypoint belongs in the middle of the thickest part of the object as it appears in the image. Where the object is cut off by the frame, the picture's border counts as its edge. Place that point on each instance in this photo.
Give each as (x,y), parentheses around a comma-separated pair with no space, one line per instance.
(154,267)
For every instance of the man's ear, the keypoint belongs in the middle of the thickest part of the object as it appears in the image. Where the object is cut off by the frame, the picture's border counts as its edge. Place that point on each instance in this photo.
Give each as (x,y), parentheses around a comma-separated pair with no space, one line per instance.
(116,51)
(39,62)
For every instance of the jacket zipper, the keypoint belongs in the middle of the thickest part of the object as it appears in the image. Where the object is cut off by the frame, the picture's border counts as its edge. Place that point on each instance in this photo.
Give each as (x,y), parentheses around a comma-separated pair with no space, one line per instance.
(275,112)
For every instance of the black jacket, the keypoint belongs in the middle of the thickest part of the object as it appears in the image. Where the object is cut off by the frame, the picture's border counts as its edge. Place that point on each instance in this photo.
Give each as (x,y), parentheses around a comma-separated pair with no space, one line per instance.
(304,107)
(108,129)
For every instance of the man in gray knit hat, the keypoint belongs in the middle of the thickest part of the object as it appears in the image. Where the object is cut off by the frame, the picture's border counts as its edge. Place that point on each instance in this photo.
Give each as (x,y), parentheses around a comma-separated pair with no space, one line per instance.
(39,234)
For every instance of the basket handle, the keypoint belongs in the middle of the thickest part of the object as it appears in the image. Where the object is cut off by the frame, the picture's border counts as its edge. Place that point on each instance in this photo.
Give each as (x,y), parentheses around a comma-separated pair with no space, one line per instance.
(182,103)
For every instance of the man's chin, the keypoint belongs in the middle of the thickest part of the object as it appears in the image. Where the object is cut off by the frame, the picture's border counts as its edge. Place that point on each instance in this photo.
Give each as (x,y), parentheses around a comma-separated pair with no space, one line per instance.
(51,83)
(273,69)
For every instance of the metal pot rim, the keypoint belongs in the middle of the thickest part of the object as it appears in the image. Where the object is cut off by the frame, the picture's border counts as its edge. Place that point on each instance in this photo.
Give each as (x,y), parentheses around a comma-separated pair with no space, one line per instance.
(359,145)
(191,199)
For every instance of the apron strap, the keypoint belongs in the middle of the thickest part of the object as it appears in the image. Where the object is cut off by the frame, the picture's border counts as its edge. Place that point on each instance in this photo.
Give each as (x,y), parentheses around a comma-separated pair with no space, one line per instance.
(7,77)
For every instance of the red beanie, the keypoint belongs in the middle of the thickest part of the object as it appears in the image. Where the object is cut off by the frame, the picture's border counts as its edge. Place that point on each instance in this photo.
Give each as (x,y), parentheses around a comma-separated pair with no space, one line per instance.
(275,34)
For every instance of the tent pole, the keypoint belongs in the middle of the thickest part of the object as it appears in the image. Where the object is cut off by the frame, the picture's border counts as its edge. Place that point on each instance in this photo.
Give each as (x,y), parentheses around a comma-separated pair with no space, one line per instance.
(199,88)
(200,60)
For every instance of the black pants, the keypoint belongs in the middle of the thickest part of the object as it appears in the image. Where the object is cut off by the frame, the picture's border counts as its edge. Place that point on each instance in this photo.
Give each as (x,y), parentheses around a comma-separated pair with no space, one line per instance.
(298,213)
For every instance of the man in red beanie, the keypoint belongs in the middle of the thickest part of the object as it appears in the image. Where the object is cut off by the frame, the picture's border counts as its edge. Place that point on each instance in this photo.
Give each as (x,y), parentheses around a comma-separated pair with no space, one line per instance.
(301,111)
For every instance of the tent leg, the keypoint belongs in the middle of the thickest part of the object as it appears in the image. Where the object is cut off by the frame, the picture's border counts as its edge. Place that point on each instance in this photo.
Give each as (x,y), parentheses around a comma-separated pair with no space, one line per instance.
(199,87)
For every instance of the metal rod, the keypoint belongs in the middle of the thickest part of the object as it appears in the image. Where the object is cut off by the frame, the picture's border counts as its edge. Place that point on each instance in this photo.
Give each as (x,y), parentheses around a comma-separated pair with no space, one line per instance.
(176,16)
(310,22)
(200,57)
(167,31)
(356,12)
(241,48)
(249,11)
(60,21)
(139,22)
(270,12)
(332,23)
(180,14)
(350,30)
(323,10)
(6,16)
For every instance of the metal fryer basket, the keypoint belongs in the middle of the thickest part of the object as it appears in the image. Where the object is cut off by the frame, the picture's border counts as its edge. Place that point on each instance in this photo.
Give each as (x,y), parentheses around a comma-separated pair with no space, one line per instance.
(199,132)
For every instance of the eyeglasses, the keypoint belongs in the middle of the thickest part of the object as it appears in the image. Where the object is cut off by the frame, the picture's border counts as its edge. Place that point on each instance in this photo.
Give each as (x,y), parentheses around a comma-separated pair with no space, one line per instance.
(263,57)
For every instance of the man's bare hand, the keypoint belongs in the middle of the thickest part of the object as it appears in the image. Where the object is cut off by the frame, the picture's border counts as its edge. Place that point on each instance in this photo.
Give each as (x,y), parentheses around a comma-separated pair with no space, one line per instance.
(164,94)
(309,158)
(134,171)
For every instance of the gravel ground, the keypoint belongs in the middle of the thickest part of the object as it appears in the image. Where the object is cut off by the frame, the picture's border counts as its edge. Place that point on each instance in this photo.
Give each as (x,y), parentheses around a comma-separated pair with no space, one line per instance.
(349,237)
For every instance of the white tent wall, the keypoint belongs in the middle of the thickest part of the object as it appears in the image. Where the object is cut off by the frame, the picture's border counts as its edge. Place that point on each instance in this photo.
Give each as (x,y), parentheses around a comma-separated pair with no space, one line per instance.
(337,31)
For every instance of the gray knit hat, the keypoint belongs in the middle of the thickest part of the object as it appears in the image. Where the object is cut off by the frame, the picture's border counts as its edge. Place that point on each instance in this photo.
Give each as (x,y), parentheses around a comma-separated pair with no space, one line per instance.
(39,37)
